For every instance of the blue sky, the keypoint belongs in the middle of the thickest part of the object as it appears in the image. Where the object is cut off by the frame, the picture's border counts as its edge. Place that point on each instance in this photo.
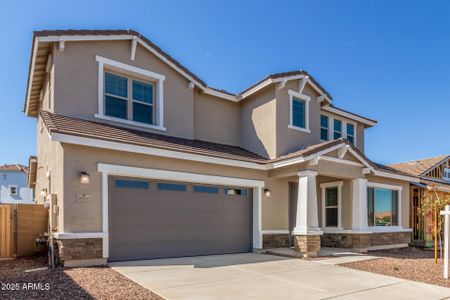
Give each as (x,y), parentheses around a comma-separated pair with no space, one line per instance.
(387,60)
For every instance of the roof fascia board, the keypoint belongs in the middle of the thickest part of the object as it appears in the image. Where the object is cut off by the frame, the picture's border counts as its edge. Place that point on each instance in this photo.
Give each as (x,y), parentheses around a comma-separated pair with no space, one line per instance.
(256,88)
(97,143)
(396,176)
(30,82)
(349,116)
(219,94)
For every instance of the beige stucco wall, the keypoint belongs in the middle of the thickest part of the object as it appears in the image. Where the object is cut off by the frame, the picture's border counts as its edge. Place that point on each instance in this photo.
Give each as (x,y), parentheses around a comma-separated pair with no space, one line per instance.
(258,123)
(86,216)
(288,139)
(50,160)
(85,159)
(216,120)
(76,83)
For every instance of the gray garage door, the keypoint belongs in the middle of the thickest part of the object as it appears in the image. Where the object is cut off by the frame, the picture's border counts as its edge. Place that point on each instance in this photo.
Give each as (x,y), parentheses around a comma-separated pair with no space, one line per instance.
(157,219)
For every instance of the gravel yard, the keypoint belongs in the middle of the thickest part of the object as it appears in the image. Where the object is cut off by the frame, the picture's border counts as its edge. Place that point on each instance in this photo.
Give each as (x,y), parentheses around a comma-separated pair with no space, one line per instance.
(65,283)
(410,263)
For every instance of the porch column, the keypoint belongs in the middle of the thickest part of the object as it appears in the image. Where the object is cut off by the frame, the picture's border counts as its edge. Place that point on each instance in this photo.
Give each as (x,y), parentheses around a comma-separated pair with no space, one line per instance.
(307,232)
(359,204)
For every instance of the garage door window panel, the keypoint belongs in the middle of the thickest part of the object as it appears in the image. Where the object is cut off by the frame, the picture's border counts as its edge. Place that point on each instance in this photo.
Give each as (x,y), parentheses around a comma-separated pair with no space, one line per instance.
(205,189)
(131,184)
(172,187)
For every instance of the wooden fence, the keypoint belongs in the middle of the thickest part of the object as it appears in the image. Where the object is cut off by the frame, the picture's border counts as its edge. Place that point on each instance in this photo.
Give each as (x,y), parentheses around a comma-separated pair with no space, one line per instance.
(20,226)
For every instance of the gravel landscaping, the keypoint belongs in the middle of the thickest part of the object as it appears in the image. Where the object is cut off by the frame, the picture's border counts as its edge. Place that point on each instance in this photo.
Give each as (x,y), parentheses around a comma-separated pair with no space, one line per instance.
(65,283)
(409,263)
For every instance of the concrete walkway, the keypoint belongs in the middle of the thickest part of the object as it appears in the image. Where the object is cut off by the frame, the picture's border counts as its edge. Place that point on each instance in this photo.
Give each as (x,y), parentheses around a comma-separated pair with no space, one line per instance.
(260,276)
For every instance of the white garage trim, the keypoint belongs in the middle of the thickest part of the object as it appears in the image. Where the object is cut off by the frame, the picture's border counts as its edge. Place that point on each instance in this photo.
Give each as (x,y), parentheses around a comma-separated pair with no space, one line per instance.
(118,170)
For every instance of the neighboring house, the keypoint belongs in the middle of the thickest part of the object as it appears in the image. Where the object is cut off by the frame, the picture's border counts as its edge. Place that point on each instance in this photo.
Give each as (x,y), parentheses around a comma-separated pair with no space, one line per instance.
(434,173)
(141,159)
(13,185)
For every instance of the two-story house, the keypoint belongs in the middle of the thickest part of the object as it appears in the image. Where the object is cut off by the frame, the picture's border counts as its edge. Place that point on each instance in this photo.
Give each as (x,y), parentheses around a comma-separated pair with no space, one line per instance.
(14,186)
(141,159)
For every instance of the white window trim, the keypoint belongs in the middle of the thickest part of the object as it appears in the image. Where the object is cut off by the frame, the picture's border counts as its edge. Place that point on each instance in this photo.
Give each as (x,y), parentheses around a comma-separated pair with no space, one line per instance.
(307,99)
(323,187)
(399,206)
(9,189)
(132,70)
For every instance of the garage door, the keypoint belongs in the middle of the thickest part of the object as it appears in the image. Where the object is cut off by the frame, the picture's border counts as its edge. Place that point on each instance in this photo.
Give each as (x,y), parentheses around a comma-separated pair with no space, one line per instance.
(157,219)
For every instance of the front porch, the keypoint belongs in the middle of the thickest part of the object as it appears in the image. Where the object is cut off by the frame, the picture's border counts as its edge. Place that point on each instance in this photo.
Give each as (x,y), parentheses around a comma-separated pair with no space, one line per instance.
(336,201)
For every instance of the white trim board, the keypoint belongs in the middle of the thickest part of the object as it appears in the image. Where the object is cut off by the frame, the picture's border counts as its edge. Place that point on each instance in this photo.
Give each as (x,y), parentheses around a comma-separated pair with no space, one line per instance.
(109,169)
(349,115)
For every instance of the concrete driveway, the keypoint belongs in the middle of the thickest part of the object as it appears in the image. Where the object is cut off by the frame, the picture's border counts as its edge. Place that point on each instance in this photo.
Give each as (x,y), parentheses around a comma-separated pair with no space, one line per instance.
(260,276)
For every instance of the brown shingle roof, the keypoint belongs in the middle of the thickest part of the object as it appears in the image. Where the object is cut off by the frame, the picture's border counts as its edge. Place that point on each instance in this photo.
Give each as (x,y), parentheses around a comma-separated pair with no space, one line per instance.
(13,168)
(419,167)
(90,129)
(103,131)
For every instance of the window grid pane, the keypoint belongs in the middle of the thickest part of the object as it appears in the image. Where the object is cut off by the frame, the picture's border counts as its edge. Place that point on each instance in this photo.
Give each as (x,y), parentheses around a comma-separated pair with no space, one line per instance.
(116,85)
(142,92)
(324,128)
(116,107)
(298,112)
(337,129)
(351,133)
(142,113)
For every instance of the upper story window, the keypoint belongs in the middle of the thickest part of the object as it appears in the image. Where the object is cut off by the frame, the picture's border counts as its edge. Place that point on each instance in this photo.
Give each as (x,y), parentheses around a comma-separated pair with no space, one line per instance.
(324,127)
(447,174)
(299,111)
(337,124)
(130,95)
(128,98)
(351,133)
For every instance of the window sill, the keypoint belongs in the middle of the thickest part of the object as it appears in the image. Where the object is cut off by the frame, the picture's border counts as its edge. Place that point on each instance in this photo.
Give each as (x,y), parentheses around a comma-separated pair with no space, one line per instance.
(376,229)
(128,122)
(299,128)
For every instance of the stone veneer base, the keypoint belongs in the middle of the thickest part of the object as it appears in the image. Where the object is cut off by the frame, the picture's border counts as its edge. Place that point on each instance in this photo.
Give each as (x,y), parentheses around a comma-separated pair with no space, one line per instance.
(275,241)
(308,245)
(366,241)
(84,251)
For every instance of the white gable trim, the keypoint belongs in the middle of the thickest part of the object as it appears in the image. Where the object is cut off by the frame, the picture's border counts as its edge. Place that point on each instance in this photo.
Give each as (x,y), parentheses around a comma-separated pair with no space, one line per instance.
(349,116)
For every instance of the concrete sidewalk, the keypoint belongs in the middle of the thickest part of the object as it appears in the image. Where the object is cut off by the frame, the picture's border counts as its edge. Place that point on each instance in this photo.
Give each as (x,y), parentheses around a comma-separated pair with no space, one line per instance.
(260,276)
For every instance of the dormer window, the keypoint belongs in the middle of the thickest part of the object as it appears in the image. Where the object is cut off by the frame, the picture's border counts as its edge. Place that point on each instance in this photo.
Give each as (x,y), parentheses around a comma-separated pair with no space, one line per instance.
(130,95)
(446,174)
(299,111)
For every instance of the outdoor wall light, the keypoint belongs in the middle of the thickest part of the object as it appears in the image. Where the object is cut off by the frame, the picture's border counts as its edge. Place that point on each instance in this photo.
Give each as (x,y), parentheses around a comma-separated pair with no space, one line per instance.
(84,178)
(267,192)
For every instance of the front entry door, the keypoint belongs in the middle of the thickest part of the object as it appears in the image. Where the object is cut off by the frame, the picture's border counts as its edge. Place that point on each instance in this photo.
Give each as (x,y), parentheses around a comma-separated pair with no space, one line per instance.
(293,194)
